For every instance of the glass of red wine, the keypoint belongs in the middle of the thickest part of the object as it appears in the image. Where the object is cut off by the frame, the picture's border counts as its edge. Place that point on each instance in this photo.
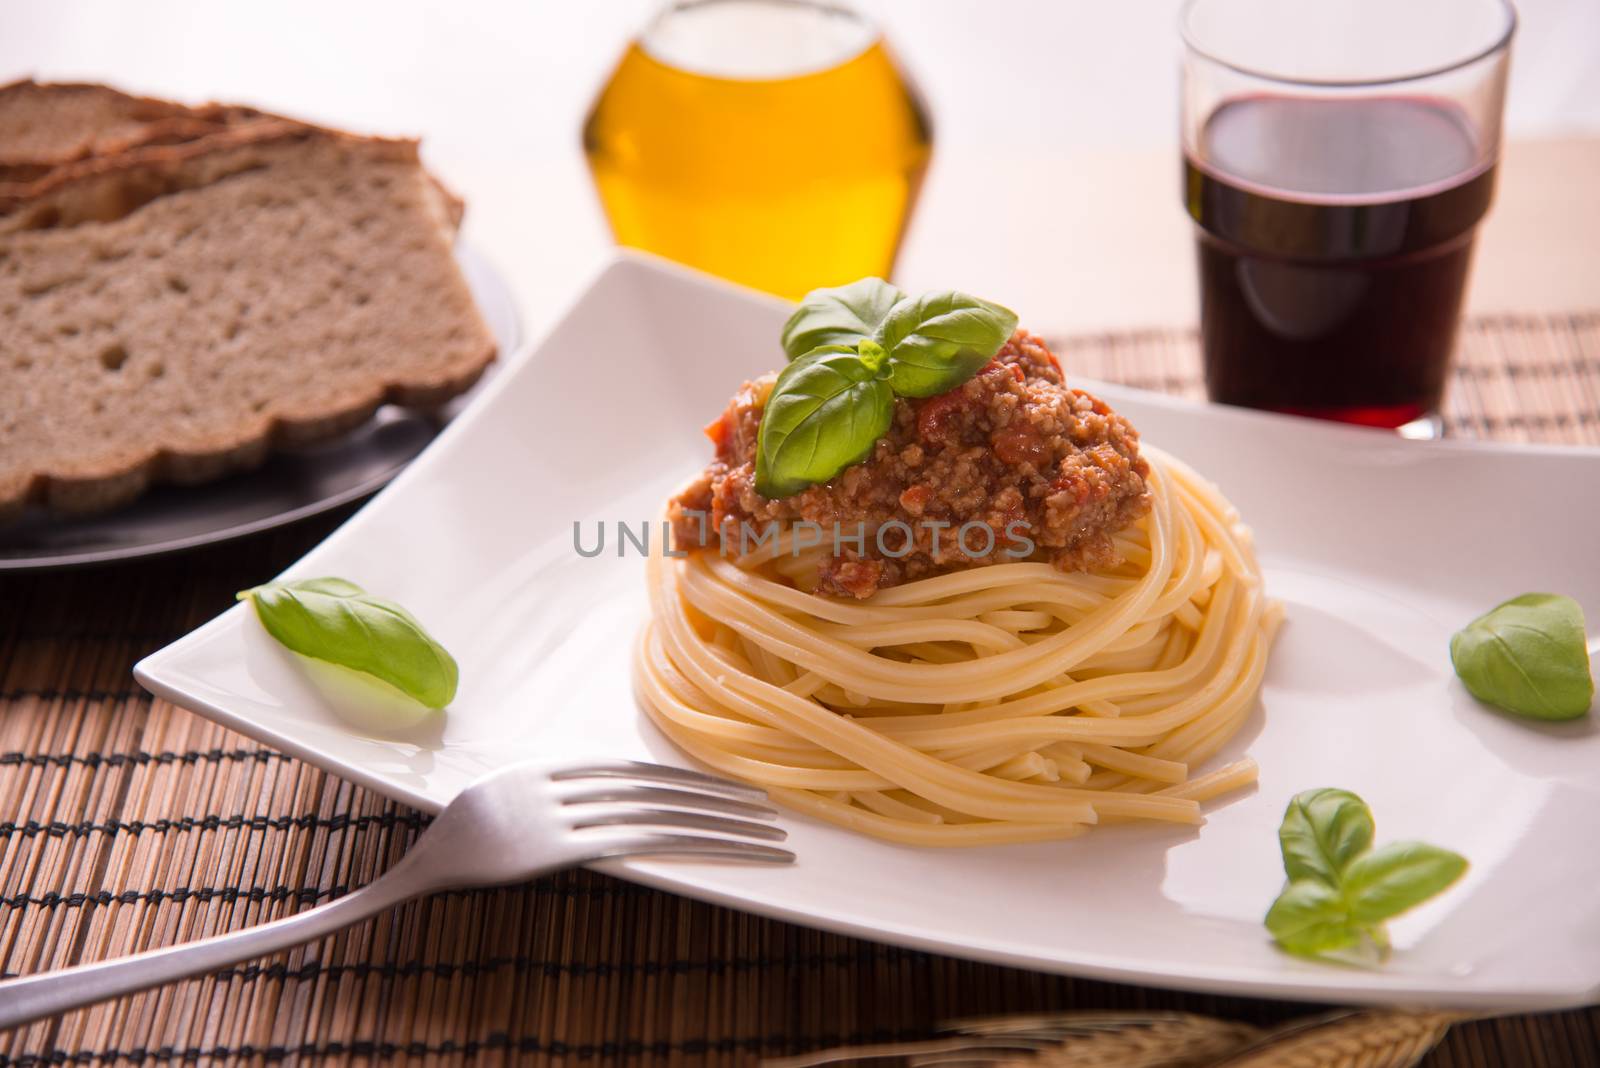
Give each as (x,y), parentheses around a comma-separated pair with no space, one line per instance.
(1338,156)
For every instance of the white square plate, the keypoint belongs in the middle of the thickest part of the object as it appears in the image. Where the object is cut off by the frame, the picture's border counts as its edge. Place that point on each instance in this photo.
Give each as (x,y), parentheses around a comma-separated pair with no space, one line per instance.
(1379,547)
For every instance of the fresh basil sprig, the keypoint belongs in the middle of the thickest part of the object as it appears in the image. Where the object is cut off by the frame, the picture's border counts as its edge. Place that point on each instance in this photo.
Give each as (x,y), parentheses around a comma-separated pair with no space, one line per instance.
(1340,889)
(1529,656)
(939,340)
(335,620)
(841,315)
(1322,832)
(852,348)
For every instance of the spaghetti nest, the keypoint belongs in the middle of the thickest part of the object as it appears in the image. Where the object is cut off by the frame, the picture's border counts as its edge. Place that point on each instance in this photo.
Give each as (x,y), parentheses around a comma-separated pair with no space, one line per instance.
(1004,703)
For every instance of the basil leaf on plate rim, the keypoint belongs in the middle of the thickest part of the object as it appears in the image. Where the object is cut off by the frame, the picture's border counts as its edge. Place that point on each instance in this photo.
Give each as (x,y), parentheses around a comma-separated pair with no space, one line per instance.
(1341,891)
(1529,656)
(335,620)
(852,349)
(1322,831)
(1309,918)
(1397,877)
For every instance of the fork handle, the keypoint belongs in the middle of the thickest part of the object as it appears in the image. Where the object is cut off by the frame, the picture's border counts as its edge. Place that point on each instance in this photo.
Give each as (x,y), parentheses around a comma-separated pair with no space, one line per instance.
(33,997)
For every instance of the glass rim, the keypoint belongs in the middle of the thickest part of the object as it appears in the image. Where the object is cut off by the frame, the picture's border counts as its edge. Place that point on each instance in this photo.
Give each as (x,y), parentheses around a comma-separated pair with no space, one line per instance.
(874,33)
(836,7)
(1501,42)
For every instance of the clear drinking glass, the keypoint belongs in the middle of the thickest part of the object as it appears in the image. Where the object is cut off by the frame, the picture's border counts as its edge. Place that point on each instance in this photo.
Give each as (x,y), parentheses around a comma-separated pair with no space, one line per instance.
(773,142)
(1338,157)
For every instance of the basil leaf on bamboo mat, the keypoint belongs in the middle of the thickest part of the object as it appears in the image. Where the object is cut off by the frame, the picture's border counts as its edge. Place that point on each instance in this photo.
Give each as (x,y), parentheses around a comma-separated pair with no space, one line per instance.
(1529,656)
(1340,890)
(841,315)
(826,411)
(335,620)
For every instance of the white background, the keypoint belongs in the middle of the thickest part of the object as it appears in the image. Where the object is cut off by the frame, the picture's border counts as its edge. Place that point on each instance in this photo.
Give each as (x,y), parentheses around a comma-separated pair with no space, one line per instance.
(1054,185)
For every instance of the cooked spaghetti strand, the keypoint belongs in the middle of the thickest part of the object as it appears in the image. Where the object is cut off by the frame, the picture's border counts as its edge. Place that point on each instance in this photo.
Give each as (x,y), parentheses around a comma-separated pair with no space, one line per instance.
(1005,703)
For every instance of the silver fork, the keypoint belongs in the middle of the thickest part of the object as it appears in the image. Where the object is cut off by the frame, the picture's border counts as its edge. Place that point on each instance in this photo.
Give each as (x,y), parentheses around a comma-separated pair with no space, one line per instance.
(520,822)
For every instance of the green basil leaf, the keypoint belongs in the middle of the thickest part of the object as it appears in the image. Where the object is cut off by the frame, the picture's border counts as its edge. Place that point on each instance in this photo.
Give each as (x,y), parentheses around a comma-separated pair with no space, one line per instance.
(1310,918)
(939,340)
(1341,890)
(842,315)
(1399,876)
(826,411)
(337,621)
(1529,656)
(1322,832)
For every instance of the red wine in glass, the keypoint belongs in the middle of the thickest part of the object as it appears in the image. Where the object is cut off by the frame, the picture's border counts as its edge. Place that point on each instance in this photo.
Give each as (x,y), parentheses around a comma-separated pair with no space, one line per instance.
(1334,242)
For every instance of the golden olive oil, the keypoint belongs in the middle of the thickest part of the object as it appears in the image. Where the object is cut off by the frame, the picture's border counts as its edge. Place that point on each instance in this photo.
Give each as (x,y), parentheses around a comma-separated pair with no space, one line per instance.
(784,184)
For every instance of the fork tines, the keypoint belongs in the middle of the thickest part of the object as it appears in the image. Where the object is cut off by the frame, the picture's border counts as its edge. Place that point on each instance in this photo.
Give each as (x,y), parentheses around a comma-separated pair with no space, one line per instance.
(637,770)
(620,796)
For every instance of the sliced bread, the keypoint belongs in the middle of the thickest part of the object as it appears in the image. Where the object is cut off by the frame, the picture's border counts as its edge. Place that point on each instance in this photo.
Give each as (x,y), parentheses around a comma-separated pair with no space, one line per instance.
(56,131)
(44,126)
(174,316)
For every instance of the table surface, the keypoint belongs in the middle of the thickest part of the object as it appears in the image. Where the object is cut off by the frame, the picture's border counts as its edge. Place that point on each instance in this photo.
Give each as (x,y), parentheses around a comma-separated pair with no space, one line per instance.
(1054,185)
(106,794)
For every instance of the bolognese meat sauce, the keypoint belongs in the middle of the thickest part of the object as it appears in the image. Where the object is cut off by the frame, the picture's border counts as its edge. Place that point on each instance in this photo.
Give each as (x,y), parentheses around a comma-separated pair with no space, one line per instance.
(1013,448)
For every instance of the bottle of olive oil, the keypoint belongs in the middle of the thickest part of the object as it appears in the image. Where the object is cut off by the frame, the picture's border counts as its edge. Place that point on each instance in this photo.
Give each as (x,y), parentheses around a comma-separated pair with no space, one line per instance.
(774,143)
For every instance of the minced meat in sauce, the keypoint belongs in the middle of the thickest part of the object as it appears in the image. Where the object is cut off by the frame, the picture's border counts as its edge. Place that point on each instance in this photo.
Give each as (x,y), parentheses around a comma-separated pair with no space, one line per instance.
(1013,447)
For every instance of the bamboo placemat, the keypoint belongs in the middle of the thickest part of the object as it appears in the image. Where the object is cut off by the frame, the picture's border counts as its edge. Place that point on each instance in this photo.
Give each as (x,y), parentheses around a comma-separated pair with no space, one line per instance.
(127,823)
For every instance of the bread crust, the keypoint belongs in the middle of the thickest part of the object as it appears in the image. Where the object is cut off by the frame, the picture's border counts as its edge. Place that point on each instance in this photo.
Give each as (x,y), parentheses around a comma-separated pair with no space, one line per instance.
(133,122)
